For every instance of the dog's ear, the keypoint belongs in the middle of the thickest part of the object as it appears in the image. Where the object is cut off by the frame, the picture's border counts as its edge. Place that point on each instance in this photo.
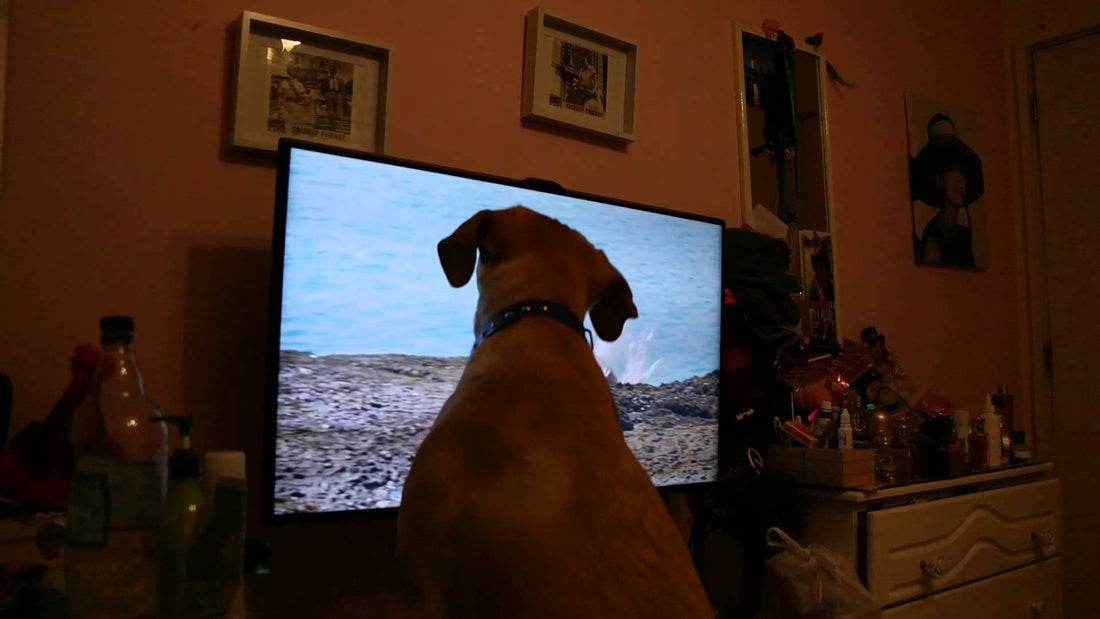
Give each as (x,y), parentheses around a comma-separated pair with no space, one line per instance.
(458,252)
(614,304)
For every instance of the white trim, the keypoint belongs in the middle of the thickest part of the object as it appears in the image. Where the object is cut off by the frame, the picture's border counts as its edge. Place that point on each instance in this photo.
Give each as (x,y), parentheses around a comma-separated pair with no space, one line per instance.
(738,29)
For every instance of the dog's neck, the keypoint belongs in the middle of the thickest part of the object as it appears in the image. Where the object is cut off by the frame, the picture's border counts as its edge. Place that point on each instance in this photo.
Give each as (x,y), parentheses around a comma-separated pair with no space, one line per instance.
(532,308)
(504,287)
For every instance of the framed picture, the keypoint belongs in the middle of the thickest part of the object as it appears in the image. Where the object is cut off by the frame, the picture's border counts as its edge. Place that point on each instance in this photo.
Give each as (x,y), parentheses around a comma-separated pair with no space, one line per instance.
(946,185)
(298,81)
(578,77)
(819,319)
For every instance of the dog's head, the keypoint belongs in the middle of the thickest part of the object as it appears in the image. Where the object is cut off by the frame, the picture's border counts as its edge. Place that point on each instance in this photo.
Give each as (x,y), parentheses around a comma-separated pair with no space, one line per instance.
(526,254)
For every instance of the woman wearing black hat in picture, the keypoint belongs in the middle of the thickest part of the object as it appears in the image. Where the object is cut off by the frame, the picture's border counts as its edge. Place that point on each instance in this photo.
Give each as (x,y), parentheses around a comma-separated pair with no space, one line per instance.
(946,174)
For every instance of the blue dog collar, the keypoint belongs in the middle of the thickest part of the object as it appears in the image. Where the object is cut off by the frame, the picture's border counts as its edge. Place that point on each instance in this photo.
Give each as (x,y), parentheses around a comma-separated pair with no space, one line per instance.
(516,312)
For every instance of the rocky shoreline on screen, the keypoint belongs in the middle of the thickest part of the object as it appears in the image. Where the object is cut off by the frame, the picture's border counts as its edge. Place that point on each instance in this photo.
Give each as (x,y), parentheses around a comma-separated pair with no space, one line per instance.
(349,425)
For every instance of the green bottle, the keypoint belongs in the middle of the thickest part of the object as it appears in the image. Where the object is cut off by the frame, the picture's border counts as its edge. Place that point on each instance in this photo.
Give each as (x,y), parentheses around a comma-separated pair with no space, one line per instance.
(179,517)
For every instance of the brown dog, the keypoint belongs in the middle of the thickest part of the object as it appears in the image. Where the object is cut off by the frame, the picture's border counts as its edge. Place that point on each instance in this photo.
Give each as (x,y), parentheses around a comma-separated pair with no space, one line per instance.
(524,499)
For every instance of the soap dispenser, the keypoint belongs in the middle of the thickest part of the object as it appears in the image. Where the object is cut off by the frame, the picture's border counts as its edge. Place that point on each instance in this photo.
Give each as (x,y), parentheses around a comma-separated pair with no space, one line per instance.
(180,513)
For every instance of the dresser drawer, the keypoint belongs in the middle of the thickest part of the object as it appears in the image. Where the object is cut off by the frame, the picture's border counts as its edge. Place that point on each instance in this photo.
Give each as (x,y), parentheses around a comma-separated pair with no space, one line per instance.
(919,549)
(1032,592)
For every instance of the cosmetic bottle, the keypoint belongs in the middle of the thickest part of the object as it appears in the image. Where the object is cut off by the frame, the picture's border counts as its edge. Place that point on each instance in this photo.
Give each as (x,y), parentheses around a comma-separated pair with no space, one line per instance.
(993,431)
(179,518)
(979,445)
(844,433)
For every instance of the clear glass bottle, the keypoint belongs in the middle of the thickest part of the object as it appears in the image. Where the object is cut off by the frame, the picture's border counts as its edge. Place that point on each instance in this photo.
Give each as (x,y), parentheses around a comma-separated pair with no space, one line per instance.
(114,501)
(859,419)
(878,423)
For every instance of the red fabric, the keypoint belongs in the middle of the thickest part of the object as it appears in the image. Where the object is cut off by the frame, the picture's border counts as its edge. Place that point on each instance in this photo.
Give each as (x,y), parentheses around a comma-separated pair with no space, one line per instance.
(36,465)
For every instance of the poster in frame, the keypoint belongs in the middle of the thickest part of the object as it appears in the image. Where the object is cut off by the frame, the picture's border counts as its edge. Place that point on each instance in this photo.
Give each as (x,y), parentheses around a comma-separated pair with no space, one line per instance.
(578,77)
(294,80)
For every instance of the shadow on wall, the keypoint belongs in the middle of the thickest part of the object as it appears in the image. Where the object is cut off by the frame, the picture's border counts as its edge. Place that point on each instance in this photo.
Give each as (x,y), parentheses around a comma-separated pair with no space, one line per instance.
(335,568)
(225,331)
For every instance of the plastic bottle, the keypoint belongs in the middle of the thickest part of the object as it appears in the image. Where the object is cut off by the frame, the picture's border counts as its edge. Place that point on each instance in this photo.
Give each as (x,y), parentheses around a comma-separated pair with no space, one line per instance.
(117,487)
(844,434)
(1004,403)
(179,518)
(993,431)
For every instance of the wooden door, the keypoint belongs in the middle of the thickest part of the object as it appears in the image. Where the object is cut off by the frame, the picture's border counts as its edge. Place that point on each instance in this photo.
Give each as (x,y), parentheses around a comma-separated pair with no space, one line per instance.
(1067,89)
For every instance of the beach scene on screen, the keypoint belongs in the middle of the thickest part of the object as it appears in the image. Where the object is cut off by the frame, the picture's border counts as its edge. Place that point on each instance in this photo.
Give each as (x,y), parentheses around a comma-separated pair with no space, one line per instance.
(373,339)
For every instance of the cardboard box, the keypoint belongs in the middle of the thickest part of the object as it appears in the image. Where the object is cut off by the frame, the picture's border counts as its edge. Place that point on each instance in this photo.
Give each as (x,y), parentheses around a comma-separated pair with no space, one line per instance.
(833,468)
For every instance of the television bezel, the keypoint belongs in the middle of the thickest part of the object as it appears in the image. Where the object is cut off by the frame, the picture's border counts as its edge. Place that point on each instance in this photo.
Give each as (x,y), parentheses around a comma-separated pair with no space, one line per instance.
(275,299)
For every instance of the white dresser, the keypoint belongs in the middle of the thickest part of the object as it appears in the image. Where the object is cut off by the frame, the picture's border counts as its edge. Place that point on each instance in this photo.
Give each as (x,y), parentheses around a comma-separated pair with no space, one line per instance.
(984,545)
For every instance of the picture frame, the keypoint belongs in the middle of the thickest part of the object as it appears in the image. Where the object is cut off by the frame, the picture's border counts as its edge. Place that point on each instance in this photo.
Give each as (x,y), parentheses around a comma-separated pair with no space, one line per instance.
(946,185)
(295,80)
(815,251)
(819,319)
(575,76)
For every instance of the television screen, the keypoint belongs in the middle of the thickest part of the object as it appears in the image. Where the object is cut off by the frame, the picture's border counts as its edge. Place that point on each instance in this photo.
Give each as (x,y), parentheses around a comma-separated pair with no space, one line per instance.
(369,339)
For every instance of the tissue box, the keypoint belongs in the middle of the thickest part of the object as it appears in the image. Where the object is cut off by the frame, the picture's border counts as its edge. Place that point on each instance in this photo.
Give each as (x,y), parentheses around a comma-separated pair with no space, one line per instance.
(833,468)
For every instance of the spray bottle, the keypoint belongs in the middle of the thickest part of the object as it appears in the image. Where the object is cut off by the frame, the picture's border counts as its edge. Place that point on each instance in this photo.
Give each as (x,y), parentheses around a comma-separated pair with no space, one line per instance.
(844,433)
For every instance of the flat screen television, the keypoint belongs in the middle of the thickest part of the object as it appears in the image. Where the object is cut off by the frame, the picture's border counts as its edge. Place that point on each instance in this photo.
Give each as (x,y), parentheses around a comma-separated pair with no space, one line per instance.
(367,338)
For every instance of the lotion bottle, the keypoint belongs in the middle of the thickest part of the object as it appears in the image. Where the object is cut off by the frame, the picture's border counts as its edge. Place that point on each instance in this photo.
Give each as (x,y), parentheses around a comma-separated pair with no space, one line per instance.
(178,522)
(844,433)
(993,432)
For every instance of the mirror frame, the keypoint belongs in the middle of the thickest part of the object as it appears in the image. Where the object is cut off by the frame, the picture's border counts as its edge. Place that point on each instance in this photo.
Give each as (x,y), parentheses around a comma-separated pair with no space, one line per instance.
(744,162)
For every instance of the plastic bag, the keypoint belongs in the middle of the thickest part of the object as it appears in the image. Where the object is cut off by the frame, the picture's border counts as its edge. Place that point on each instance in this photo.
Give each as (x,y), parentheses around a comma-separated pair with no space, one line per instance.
(812,582)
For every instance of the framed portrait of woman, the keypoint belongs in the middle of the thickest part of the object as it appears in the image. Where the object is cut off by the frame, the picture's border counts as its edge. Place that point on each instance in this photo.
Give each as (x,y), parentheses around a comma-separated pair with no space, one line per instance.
(946,185)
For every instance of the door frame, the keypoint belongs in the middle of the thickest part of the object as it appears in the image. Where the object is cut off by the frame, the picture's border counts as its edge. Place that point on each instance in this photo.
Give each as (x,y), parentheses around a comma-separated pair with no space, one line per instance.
(1036,291)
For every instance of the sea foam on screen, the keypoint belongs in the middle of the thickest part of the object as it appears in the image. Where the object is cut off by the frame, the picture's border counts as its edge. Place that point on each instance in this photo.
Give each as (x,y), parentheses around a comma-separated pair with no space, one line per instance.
(362,277)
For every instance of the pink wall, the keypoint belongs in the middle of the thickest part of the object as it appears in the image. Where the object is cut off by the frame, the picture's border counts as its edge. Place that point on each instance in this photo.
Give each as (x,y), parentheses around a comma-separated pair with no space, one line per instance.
(120,197)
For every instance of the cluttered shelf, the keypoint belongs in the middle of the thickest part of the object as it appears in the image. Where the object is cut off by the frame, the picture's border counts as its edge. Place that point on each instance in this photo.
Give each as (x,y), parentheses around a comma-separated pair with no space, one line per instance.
(857,428)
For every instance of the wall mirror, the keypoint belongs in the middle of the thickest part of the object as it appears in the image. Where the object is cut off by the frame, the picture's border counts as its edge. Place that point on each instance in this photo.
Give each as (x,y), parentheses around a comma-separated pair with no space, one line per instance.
(784,143)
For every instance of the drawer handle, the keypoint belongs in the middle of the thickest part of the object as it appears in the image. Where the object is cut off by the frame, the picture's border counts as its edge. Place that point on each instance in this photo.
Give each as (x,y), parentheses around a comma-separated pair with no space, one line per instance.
(933,569)
(1038,609)
(1043,538)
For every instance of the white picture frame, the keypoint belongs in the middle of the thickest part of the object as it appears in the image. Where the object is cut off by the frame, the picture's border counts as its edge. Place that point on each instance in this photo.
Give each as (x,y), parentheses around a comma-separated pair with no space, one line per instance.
(308,83)
(578,77)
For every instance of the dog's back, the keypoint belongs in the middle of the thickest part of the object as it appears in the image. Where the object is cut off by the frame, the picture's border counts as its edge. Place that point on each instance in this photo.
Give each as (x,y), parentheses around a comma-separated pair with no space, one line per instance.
(525,501)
